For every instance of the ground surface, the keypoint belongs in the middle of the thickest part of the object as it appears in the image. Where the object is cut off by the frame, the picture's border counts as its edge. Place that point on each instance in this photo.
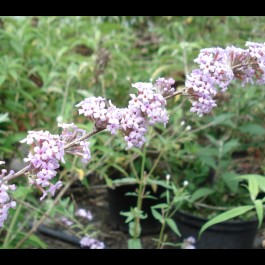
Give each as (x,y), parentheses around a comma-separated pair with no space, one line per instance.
(97,202)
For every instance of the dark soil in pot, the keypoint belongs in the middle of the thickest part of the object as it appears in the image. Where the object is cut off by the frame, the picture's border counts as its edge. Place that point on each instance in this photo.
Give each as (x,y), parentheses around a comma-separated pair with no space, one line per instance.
(119,201)
(226,235)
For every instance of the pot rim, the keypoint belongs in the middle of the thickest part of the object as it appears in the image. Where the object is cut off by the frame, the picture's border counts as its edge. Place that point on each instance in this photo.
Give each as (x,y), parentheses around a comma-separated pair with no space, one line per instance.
(226,225)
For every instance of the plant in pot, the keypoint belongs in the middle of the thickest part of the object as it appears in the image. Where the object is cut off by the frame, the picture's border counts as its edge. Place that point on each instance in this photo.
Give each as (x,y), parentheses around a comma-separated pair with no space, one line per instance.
(135,188)
(217,187)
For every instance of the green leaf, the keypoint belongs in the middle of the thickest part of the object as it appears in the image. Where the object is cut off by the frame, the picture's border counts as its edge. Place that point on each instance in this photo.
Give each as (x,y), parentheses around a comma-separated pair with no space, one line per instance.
(108,180)
(259,178)
(231,181)
(160,206)
(229,146)
(2,79)
(159,70)
(125,181)
(208,160)
(253,188)
(207,151)
(119,168)
(131,194)
(226,216)
(21,192)
(158,216)
(161,183)
(134,243)
(171,223)
(212,139)
(84,93)
(221,118)
(259,210)
(27,95)
(38,241)
(134,232)
(4,118)
(202,192)
(54,89)
(129,216)
(252,128)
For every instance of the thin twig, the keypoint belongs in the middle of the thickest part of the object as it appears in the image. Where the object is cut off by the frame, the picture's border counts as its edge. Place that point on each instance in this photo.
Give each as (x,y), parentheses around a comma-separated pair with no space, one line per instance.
(35,226)
(86,136)
(178,92)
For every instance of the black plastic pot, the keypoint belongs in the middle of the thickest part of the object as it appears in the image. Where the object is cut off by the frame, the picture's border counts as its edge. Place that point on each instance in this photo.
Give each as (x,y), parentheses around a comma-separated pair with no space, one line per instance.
(226,235)
(119,201)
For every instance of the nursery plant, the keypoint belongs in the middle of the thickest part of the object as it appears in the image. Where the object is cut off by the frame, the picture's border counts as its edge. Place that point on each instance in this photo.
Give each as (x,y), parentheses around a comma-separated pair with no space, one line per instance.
(217,69)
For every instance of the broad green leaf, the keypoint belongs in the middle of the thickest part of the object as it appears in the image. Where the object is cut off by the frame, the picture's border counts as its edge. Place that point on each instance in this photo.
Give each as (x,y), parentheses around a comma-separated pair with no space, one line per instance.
(202,192)
(252,128)
(226,216)
(253,188)
(259,210)
(171,223)
(134,243)
(158,216)
(259,178)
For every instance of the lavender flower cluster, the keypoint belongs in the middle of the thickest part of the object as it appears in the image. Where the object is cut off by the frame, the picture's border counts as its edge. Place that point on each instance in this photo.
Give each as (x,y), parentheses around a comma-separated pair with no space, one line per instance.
(5,201)
(47,151)
(71,133)
(144,109)
(218,67)
(189,243)
(92,243)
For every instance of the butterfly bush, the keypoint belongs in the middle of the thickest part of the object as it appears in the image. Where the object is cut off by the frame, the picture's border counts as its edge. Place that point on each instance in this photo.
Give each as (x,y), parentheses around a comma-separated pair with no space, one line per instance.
(217,68)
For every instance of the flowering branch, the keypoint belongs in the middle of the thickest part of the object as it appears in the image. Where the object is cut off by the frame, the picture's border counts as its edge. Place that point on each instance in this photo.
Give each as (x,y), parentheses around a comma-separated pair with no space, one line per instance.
(86,136)
(217,69)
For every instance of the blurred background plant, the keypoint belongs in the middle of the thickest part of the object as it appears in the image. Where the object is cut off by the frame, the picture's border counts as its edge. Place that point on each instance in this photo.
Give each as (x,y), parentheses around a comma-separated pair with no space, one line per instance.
(50,63)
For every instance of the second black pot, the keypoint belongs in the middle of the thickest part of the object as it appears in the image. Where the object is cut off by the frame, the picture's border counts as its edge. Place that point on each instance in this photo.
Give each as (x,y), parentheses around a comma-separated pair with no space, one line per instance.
(226,235)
